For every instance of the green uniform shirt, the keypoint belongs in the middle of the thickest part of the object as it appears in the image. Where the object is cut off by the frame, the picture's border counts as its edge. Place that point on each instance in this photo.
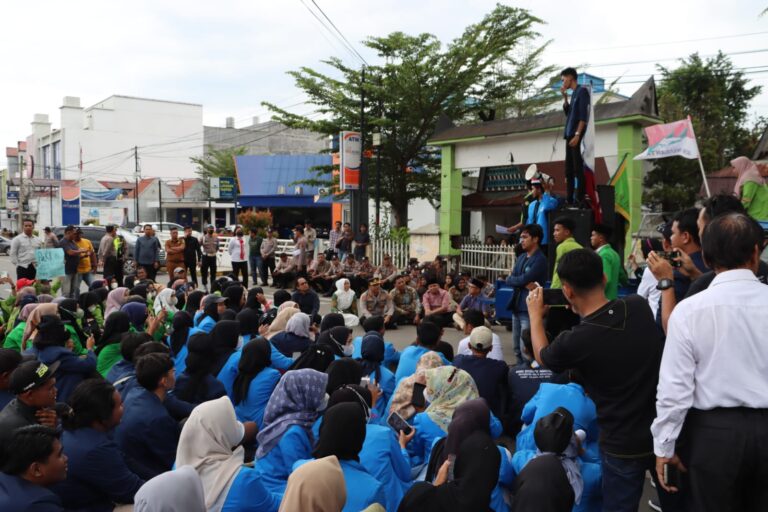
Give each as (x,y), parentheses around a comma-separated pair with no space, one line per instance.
(755,199)
(611,266)
(566,246)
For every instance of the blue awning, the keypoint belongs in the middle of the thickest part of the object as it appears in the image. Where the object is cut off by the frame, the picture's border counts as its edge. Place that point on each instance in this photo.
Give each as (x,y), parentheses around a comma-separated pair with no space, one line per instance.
(282,201)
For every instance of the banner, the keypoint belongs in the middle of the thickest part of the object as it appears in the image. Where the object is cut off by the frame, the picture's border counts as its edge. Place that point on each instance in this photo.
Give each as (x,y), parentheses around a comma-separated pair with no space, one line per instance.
(50,263)
(350,150)
(12,200)
(588,156)
(672,139)
(620,184)
(213,188)
(113,216)
(226,188)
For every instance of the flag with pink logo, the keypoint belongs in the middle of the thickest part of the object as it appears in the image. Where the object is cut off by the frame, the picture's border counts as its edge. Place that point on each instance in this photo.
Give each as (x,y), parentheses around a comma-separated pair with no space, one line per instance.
(671,139)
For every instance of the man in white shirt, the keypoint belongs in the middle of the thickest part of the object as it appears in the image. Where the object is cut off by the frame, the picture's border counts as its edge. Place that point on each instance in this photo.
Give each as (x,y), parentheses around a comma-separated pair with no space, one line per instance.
(238,252)
(23,251)
(474,318)
(713,383)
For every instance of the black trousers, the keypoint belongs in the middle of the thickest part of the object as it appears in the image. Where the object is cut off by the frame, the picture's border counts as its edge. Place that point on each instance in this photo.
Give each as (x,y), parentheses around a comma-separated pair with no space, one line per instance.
(29,272)
(192,271)
(725,451)
(574,171)
(240,267)
(267,264)
(208,264)
(113,268)
(283,280)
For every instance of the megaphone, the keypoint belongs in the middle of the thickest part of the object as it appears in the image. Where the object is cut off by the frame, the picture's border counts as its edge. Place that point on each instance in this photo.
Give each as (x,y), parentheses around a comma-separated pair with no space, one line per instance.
(531,172)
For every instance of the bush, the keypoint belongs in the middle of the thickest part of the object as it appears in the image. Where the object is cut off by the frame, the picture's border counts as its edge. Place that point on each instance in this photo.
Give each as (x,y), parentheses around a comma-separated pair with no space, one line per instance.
(256,221)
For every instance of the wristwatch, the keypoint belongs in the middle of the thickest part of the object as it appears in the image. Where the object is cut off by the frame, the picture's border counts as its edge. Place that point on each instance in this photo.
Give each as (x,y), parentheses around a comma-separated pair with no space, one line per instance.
(665,284)
(577,134)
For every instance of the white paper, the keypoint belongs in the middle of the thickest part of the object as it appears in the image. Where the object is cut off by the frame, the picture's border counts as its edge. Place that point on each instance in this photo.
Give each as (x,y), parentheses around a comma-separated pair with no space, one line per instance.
(501,229)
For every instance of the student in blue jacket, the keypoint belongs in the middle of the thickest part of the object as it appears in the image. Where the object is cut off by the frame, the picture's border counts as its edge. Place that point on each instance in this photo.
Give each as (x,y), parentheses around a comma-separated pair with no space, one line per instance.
(213,306)
(196,384)
(286,435)
(427,339)
(342,434)
(210,443)
(371,360)
(376,323)
(148,434)
(384,453)
(255,381)
(49,346)
(36,462)
(128,345)
(97,475)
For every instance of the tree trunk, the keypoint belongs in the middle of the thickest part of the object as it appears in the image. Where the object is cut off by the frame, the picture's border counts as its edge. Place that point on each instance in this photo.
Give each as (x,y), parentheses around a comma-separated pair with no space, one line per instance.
(400,212)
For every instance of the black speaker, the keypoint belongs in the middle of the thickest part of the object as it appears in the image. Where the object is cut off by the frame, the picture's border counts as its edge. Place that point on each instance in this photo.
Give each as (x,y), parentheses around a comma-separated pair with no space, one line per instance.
(607,196)
(581,218)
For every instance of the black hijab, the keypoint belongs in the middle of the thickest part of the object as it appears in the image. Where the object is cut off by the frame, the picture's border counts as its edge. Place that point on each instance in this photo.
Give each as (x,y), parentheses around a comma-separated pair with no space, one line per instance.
(117,324)
(228,314)
(235,295)
(331,320)
(372,352)
(543,486)
(353,393)
(140,290)
(335,338)
(343,371)
(224,336)
(249,321)
(200,361)
(256,355)
(193,301)
(182,323)
(67,310)
(342,433)
(250,299)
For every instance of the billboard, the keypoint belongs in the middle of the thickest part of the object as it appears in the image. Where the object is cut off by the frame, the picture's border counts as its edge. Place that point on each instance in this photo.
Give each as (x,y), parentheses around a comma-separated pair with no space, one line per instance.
(226,188)
(350,151)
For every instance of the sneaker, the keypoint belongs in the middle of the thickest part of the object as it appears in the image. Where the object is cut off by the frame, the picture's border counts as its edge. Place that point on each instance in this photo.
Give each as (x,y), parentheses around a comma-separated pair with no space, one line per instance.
(653,504)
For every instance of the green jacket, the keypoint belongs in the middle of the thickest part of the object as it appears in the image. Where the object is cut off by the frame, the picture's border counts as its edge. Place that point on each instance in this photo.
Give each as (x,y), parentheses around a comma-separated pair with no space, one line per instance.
(566,246)
(13,339)
(611,269)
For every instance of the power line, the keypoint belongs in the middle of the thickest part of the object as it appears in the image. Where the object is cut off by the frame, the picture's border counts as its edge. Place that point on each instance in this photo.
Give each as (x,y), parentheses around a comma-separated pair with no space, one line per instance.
(340,33)
(643,45)
(654,61)
(350,50)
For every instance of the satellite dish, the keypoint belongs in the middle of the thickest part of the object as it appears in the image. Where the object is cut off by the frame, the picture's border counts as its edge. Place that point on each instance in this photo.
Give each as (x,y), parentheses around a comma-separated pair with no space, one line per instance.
(531,172)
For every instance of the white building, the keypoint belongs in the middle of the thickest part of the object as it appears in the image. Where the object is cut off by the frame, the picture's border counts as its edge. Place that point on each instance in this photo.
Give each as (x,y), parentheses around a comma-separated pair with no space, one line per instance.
(103,137)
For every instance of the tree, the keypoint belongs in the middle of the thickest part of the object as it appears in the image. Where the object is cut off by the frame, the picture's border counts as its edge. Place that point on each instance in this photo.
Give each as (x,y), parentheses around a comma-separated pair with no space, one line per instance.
(419,81)
(717,97)
(218,163)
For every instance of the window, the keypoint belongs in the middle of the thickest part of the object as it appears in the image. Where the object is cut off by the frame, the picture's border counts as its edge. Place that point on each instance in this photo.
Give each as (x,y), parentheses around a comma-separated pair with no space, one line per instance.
(46,161)
(57,160)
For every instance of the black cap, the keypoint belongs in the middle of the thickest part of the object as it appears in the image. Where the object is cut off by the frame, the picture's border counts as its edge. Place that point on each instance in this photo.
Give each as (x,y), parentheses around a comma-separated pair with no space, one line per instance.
(476,282)
(213,299)
(30,375)
(9,359)
(553,432)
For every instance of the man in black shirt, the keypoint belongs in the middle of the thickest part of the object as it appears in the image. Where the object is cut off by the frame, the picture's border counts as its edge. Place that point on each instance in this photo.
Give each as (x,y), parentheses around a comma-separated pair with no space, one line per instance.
(617,351)
(192,253)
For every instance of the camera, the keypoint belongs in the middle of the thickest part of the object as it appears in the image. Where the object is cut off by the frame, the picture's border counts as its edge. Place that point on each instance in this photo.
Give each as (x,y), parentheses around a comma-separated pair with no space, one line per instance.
(671,257)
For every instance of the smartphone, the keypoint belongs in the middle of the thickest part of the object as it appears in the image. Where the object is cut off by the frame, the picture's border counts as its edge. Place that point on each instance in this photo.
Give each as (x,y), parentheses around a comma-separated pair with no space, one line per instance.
(554,297)
(670,257)
(365,382)
(398,423)
(417,398)
(671,476)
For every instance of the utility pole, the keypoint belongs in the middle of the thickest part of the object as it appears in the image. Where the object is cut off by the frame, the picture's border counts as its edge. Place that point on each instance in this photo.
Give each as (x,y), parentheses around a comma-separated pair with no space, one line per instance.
(160,201)
(136,176)
(362,196)
(377,145)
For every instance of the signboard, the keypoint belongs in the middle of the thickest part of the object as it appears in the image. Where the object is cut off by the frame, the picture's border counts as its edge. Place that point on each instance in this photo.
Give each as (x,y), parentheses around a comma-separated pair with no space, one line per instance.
(226,188)
(111,216)
(350,150)
(213,188)
(12,200)
(50,263)
(70,211)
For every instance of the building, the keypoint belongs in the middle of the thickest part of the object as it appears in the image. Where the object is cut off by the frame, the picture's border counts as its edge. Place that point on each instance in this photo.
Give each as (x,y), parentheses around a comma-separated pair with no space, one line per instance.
(264,138)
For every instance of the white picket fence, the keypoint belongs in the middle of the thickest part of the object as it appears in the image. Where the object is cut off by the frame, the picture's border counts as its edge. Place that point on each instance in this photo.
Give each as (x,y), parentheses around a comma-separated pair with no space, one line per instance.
(224,262)
(492,261)
(400,252)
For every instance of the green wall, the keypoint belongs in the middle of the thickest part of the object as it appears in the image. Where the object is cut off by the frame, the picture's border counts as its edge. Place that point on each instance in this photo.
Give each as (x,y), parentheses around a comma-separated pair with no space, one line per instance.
(450,200)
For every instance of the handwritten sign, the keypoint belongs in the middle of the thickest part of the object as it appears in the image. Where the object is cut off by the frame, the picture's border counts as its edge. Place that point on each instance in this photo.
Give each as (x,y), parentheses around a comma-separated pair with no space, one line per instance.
(50,263)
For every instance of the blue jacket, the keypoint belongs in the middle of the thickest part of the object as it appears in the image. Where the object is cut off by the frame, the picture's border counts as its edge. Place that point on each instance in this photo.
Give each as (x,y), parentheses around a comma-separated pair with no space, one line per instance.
(537,214)
(383,458)
(277,464)
(259,391)
(121,369)
(409,358)
(147,250)
(19,495)
(287,343)
(97,475)
(391,355)
(147,435)
(248,493)
(427,432)
(228,372)
(5,398)
(387,385)
(363,490)
(577,110)
(205,325)
(527,269)
(215,389)
(72,369)
(177,408)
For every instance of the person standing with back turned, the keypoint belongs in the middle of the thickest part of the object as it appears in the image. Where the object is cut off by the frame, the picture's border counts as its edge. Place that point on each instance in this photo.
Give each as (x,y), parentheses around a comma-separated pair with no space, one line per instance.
(577,115)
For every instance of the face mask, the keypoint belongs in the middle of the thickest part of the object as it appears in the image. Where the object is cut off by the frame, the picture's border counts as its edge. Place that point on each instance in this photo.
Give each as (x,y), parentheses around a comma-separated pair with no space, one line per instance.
(240,342)
(79,313)
(173,301)
(348,350)
(151,295)
(324,404)
(113,285)
(92,308)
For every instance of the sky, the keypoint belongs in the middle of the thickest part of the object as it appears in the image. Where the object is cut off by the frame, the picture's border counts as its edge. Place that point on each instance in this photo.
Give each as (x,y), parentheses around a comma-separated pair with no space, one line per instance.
(230,55)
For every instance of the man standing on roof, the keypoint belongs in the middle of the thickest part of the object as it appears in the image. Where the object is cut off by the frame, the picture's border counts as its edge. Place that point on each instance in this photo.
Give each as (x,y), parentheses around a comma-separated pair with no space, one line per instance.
(577,115)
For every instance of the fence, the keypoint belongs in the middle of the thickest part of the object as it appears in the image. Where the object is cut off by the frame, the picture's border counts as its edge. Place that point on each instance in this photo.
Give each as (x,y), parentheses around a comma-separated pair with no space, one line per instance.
(400,252)
(492,261)
(224,262)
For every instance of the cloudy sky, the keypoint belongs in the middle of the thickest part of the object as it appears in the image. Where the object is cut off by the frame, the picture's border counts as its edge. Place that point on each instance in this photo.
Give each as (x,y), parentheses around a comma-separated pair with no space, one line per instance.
(230,55)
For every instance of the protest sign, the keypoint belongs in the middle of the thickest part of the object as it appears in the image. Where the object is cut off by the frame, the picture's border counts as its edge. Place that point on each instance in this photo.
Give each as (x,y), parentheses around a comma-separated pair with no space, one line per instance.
(50,263)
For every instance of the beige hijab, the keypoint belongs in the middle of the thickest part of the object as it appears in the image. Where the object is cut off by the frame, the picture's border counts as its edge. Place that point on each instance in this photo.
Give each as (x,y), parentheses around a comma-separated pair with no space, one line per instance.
(401,400)
(34,320)
(316,486)
(746,170)
(281,321)
(206,445)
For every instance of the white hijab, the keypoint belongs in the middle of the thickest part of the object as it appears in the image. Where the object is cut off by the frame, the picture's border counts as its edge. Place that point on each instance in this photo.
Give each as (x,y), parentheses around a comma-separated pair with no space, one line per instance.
(298,324)
(344,298)
(206,444)
(173,491)
(163,301)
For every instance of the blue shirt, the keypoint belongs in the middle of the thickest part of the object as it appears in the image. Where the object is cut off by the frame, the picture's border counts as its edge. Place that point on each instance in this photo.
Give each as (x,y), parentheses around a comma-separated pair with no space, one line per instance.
(391,355)
(147,250)
(19,495)
(479,302)
(537,214)
(387,385)
(490,376)
(527,269)
(363,490)
(277,464)
(383,458)
(97,475)
(147,434)
(72,369)
(176,407)
(120,369)
(259,391)
(409,358)
(214,388)
(576,111)
(228,372)
(248,493)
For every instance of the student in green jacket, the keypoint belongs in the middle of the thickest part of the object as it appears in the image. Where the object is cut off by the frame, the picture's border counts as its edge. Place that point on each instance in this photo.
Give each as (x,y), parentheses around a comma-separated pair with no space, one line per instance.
(563,235)
(14,337)
(601,234)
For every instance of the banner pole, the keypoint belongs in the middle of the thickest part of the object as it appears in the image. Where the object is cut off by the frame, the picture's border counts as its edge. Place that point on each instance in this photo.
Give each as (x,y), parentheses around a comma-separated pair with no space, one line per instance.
(704,177)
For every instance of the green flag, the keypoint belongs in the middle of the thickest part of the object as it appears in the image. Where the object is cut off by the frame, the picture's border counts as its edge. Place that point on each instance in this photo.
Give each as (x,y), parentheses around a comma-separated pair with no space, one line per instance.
(620,184)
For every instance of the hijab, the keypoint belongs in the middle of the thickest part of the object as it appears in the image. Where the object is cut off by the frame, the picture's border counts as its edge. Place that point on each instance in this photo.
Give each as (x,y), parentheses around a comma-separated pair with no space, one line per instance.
(180,490)
(543,485)
(115,326)
(746,170)
(249,321)
(372,352)
(182,323)
(34,319)
(224,337)
(280,322)
(401,399)
(211,311)
(316,486)
(554,435)
(343,371)
(27,299)
(140,290)
(228,314)
(200,360)
(448,387)
(44,298)
(469,417)
(194,300)
(26,291)
(235,295)
(287,304)
(344,298)
(164,300)
(332,320)
(255,356)
(250,299)
(137,314)
(89,299)
(26,311)
(206,443)
(296,400)
(102,294)
(298,324)
(335,339)
(342,432)
(476,474)
(115,300)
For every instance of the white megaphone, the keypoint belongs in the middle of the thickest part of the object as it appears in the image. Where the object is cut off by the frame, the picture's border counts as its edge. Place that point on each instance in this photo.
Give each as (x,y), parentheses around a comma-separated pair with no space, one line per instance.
(531,172)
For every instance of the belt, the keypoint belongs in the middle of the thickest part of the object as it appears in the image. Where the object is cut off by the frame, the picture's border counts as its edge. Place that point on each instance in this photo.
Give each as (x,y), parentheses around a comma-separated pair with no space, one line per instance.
(210,254)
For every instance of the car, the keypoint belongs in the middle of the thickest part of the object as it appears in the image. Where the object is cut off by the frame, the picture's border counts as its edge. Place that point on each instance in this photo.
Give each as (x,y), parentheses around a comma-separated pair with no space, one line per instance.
(163,227)
(5,245)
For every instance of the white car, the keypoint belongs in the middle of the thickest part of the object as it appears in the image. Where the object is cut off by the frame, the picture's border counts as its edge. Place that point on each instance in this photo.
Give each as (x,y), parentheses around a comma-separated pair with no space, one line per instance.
(164,227)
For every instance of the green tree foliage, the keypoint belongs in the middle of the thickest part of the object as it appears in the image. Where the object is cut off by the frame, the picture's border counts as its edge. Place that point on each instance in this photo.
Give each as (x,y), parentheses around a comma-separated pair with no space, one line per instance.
(717,97)
(218,163)
(420,80)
